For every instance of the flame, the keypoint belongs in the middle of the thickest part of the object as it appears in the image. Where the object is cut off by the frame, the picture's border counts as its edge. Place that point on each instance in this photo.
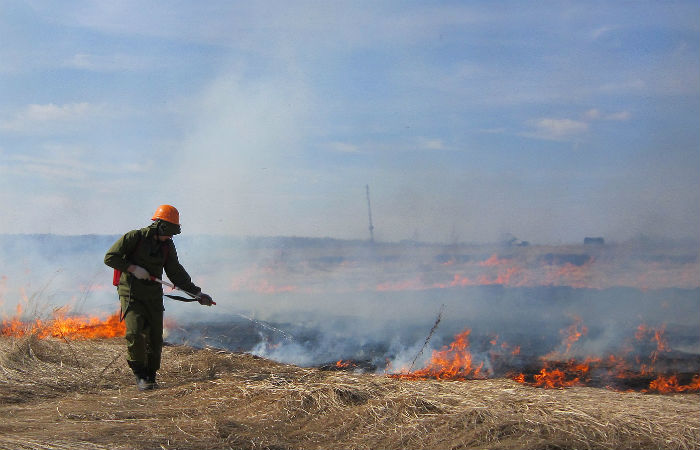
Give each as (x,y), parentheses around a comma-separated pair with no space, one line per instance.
(61,325)
(571,275)
(580,270)
(494,260)
(552,379)
(254,280)
(614,366)
(574,333)
(456,362)
(667,385)
(573,374)
(656,335)
(453,362)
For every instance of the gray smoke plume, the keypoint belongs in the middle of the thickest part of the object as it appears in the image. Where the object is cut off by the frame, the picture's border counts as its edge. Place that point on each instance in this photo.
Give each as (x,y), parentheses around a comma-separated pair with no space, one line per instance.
(315,301)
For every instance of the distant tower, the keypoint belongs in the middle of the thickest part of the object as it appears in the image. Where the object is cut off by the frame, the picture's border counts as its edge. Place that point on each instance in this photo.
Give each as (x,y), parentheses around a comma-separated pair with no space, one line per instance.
(369,211)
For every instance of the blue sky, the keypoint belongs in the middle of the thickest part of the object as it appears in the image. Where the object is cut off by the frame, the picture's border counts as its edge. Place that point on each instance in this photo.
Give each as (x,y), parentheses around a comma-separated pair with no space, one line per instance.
(469,120)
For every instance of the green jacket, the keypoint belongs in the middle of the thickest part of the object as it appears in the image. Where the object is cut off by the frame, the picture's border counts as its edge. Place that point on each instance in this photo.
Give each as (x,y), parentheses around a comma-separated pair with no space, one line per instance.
(149,254)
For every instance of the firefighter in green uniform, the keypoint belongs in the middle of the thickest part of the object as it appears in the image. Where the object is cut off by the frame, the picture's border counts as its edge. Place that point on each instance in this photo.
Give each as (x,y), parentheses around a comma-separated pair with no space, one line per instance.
(140,255)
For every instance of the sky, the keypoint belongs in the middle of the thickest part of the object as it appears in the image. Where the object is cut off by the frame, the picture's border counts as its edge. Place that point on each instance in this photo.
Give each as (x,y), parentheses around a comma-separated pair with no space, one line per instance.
(469,121)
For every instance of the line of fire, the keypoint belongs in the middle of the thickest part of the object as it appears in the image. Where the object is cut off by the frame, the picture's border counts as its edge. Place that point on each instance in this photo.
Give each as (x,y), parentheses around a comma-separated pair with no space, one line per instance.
(631,370)
(651,357)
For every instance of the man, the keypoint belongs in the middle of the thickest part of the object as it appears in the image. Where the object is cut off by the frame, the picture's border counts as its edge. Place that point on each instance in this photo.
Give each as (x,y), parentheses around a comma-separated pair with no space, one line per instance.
(141,255)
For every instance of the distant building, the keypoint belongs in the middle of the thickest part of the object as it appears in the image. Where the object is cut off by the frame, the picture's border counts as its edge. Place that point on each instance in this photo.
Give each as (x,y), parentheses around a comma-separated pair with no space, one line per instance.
(593,241)
(515,242)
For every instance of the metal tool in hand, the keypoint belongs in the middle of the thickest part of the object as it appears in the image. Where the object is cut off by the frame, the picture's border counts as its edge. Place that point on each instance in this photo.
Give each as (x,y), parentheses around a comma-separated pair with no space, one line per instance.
(287,336)
(195,297)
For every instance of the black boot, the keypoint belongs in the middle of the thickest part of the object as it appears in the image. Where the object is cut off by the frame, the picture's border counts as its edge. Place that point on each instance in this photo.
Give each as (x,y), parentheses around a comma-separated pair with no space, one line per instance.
(142,381)
(151,378)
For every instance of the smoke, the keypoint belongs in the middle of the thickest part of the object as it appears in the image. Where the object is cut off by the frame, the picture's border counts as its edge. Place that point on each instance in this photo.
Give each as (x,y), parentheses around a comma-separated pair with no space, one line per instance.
(315,301)
(41,273)
(377,303)
(237,161)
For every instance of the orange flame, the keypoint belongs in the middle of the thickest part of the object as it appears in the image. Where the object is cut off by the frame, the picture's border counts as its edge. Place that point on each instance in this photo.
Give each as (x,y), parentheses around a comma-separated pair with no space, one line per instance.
(62,326)
(254,280)
(667,385)
(574,333)
(573,374)
(494,260)
(653,335)
(453,362)
(577,373)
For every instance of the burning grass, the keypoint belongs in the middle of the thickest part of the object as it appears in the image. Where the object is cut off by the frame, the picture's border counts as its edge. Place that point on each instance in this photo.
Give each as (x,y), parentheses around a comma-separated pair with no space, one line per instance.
(630,370)
(60,393)
(62,325)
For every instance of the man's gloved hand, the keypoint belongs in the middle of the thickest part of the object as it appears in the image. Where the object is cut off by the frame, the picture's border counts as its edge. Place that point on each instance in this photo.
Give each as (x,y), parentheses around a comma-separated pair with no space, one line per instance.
(204,299)
(139,272)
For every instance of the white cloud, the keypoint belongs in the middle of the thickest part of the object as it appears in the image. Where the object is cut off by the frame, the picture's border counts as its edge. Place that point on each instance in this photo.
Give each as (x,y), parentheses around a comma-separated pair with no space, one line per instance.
(596,114)
(562,129)
(559,129)
(344,147)
(601,31)
(42,118)
(228,23)
(497,130)
(619,116)
(592,114)
(68,165)
(105,63)
(432,144)
(54,112)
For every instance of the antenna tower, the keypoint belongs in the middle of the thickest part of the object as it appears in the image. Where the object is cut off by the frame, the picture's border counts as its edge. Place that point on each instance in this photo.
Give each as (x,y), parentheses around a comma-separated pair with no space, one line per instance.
(369,211)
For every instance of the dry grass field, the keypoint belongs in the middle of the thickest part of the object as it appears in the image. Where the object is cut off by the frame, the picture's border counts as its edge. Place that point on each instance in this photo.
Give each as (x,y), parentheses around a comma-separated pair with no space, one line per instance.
(59,394)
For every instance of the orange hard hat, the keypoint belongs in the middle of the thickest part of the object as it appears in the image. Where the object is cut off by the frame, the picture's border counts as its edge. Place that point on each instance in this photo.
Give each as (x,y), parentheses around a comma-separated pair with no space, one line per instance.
(167,213)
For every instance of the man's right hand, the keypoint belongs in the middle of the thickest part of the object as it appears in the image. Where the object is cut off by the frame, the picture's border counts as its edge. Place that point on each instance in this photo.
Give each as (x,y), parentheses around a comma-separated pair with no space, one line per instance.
(139,272)
(204,299)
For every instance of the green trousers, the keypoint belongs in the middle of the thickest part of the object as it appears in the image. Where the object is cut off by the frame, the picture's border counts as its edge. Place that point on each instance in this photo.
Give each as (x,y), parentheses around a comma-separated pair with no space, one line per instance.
(144,331)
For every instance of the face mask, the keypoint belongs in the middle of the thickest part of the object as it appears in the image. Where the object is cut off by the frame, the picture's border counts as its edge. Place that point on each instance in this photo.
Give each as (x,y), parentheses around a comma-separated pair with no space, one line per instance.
(167,228)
